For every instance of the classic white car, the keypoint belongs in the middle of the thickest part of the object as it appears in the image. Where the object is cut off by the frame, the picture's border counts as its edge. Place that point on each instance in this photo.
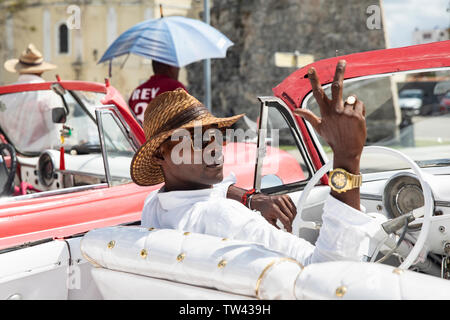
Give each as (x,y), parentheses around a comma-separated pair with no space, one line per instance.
(411,100)
(406,178)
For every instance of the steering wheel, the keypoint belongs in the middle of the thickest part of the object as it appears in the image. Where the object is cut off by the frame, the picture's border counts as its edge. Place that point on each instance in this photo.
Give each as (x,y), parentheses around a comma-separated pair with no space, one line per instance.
(428,207)
(7,174)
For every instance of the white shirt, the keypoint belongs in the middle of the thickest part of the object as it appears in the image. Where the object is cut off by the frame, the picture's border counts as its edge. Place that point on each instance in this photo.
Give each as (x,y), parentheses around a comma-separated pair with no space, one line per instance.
(208,211)
(26,117)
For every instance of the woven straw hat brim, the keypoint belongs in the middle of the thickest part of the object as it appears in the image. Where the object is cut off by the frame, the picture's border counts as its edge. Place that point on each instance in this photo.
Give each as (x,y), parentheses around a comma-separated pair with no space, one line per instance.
(145,172)
(15,66)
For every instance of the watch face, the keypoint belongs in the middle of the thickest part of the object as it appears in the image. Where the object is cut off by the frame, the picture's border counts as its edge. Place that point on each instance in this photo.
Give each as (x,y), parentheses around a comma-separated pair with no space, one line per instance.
(339,180)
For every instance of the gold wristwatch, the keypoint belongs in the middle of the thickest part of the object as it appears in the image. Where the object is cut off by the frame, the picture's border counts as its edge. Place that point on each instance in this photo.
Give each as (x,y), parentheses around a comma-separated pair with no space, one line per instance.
(341,181)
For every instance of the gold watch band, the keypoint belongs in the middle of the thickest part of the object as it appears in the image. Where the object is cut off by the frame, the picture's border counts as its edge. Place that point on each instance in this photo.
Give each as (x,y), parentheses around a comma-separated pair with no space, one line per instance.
(341,180)
(356,180)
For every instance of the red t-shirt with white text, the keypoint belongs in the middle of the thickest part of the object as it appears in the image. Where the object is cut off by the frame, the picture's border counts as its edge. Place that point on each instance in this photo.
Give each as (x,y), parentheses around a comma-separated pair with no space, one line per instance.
(154,86)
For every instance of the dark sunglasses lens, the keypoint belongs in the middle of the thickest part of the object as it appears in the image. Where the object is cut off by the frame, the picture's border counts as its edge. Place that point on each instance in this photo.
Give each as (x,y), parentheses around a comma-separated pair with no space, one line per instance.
(208,135)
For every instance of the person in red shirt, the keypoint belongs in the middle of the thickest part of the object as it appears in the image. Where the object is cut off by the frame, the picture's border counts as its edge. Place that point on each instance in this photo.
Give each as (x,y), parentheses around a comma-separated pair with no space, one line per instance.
(165,78)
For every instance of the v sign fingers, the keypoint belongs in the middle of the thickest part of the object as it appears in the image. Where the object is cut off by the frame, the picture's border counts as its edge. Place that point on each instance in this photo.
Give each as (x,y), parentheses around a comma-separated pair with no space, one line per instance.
(319,94)
(337,86)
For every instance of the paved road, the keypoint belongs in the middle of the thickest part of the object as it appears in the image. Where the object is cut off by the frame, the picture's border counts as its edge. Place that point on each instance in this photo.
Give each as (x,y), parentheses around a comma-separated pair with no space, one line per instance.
(436,128)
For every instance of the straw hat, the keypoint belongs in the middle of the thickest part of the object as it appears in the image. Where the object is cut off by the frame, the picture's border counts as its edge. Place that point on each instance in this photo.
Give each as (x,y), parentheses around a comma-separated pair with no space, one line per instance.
(166,113)
(30,61)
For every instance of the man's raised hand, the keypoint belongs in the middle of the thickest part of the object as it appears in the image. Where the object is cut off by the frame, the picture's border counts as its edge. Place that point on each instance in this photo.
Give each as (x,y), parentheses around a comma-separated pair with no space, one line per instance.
(341,124)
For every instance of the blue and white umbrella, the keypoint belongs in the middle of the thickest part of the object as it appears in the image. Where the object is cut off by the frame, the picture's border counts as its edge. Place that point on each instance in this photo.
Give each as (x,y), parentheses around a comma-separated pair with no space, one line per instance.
(177,41)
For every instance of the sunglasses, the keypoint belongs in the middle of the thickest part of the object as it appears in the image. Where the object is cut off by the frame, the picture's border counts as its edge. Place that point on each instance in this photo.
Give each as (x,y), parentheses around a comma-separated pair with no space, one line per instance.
(201,139)
(208,135)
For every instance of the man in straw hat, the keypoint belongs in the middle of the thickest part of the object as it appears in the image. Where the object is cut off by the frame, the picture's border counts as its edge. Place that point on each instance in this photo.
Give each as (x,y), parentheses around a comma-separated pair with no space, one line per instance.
(26,117)
(30,62)
(194,197)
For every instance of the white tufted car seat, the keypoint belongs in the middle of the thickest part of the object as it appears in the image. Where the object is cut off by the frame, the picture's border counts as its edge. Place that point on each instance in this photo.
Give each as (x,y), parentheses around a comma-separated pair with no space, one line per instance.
(141,263)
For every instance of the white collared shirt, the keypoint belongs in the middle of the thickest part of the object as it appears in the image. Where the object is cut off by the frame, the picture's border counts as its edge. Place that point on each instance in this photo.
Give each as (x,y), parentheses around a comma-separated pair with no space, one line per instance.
(26,117)
(208,211)
(29,78)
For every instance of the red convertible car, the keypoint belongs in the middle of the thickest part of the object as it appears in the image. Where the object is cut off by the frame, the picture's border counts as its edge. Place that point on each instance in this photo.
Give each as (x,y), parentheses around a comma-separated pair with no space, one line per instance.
(55,198)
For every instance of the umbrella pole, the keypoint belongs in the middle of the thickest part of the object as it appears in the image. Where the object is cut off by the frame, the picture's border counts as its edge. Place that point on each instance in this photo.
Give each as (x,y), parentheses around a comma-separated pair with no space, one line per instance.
(207,73)
(123,63)
(207,62)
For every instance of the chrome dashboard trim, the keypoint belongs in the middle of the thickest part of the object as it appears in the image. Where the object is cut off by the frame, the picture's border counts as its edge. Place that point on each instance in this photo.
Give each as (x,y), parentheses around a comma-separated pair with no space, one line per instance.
(439,203)
(368,196)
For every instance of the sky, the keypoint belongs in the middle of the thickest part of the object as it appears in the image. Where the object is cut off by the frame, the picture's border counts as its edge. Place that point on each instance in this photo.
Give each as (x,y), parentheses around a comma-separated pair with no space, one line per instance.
(403,16)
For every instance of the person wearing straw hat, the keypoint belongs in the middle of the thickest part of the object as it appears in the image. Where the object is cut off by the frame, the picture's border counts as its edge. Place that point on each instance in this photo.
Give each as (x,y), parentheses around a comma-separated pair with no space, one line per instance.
(26,117)
(30,62)
(194,196)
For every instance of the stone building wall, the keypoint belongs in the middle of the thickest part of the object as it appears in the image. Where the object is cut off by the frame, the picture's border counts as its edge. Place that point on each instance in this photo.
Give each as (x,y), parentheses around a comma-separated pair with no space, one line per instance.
(259,28)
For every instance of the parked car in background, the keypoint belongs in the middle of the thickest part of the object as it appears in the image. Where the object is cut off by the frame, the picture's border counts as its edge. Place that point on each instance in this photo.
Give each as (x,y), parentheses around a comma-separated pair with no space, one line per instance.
(411,101)
(444,104)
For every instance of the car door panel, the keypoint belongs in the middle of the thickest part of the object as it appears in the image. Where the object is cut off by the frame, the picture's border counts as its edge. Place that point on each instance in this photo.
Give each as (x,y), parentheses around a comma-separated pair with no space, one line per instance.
(64,215)
(37,272)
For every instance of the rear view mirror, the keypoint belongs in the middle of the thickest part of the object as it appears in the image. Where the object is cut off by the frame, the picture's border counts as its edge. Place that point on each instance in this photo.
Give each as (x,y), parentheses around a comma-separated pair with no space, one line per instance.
(59,115)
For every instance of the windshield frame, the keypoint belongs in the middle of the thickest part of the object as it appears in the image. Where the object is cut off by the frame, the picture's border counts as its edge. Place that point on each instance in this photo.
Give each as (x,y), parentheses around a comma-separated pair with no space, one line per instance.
(125,130)
(265,104)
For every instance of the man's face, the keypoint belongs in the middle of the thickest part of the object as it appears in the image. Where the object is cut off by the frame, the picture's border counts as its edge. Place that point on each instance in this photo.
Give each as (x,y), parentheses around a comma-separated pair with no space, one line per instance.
(192,159)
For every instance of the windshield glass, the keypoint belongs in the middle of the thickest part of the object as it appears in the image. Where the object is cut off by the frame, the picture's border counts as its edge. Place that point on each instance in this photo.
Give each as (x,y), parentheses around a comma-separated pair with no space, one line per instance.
(420,128)
(81,120)
(26,119)
(90,100)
